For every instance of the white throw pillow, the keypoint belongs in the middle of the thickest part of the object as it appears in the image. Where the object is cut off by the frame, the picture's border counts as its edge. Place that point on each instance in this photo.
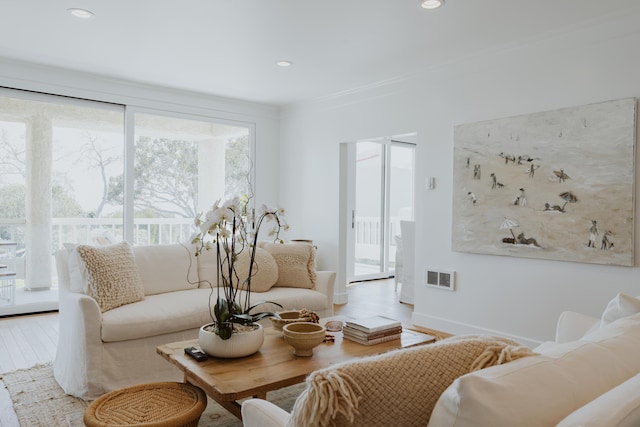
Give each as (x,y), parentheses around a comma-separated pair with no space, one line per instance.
(543,390)
(621,306)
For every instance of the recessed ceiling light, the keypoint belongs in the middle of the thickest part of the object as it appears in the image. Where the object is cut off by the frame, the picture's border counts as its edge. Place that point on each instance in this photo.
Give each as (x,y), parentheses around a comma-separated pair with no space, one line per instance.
(432,4)
(80,13)
(283,63)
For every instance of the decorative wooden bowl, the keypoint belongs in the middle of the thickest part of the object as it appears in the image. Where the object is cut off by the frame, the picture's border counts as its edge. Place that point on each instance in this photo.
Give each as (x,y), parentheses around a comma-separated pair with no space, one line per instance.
(303,337)
(290,316)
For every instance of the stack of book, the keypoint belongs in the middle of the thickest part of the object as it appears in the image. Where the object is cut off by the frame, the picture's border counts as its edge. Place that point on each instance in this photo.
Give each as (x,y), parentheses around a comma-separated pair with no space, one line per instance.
(372,330)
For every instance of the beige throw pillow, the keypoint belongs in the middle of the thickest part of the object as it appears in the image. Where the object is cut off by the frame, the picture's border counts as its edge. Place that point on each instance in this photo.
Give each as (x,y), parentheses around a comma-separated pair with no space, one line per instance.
(296,263)
(264,273)
(113,278)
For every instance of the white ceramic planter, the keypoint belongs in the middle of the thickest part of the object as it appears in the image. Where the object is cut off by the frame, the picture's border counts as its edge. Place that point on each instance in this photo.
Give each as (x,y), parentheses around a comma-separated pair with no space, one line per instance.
(239,345)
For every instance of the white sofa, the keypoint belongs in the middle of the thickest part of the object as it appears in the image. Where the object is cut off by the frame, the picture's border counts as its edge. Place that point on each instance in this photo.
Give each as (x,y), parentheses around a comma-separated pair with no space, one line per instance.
(102,351)
(588,377)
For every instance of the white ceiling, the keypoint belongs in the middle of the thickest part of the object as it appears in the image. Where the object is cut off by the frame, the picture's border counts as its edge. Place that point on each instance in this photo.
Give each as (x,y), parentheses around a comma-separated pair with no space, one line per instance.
(228,47)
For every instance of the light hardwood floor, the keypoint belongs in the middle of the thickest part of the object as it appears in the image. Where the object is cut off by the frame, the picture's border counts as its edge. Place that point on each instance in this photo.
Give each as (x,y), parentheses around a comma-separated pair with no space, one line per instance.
(29,340)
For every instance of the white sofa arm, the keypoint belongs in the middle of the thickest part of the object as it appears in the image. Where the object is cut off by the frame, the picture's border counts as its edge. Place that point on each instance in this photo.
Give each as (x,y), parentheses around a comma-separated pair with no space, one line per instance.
(79,351)
(261,413)
(325,282)
(573,326)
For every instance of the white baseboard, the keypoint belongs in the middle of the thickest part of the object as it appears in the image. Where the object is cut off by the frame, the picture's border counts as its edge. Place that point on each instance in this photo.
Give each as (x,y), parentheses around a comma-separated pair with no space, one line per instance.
(459,328)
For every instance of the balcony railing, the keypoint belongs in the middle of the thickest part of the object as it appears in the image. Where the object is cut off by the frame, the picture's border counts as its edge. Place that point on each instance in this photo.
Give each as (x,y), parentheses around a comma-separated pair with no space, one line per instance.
(147,231)
(151,231)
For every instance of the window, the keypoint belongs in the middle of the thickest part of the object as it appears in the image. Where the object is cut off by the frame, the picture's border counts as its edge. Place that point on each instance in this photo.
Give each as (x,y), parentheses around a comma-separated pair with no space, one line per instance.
(68,174)
(181,166)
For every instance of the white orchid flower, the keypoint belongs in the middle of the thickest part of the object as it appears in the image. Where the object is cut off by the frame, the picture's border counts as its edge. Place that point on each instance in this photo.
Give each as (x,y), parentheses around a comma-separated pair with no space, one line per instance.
(224,233)
(232,204)
(266,209)
(221,215)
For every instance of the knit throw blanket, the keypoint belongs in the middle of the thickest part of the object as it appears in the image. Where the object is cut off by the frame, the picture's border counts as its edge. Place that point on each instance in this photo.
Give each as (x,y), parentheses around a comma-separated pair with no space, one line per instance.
(399,388)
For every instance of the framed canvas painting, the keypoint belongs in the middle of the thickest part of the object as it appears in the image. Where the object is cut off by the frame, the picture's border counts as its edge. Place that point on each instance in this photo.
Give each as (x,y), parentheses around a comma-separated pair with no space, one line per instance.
(553,185)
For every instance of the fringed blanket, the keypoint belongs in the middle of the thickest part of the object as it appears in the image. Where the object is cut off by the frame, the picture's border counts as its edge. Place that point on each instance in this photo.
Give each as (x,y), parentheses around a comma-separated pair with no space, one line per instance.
(398,388)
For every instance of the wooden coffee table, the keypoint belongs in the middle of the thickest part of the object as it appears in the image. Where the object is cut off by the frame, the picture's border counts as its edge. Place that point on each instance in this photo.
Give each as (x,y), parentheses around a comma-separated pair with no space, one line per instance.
(228,380)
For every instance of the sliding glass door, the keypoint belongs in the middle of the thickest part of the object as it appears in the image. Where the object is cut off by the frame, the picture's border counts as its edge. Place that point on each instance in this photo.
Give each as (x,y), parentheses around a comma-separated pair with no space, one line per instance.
(58,157)
(381,177)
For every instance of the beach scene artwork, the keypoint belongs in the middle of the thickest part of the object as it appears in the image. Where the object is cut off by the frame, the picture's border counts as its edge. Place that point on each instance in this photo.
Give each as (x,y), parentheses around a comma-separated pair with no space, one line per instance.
(555,185)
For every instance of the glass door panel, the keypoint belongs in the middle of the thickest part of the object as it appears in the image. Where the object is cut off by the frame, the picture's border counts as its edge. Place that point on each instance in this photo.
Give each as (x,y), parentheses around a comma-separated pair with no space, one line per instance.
(57,156)
(381,192)
(369,224)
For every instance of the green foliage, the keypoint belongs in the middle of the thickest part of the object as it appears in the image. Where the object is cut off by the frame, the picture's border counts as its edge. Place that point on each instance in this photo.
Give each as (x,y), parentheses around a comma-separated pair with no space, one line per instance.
(237,165)
(63,204)
(166,176)
(13,202)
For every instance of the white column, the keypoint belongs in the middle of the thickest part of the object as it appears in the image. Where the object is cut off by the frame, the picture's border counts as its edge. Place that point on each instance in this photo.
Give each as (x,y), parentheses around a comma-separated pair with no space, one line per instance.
(38,203)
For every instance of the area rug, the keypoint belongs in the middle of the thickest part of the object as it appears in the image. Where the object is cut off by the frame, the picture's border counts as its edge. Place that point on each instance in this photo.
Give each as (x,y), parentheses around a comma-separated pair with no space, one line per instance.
(38,400)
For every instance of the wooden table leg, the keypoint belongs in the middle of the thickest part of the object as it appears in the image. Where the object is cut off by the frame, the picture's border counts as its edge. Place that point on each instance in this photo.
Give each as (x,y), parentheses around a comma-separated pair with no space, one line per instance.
(235,408)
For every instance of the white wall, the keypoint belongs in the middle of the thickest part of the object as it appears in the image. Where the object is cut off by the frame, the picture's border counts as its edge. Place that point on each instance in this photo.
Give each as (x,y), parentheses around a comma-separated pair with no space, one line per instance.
(513,296)
(21,75)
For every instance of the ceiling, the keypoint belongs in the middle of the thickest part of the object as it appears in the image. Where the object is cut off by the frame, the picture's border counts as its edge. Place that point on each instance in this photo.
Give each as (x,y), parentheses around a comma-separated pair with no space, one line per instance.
(229,47)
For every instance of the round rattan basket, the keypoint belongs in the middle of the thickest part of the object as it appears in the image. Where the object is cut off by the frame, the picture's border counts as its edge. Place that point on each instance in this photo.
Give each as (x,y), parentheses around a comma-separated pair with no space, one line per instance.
(163,404)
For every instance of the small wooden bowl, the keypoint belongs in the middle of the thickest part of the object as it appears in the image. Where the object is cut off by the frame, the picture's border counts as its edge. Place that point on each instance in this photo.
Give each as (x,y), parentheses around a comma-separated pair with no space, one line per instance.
(287,317)
(303,337)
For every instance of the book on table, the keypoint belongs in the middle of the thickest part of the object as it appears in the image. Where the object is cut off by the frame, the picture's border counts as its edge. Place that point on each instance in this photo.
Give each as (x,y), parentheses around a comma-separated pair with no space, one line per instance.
(372,341)
(372,324)
(372,330)
(356,333)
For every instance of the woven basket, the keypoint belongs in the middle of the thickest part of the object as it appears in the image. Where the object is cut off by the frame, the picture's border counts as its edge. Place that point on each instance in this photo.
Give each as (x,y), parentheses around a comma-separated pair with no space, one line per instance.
(164,404)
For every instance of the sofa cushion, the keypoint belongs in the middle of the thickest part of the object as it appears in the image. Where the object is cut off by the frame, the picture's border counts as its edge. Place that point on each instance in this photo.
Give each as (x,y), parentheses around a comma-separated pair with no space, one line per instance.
(290,299)
(183,310)
(296,263)
(112,275)
(207,268)
(619,407)
(156,315)
(166,268)
(264,276)
(542,390)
